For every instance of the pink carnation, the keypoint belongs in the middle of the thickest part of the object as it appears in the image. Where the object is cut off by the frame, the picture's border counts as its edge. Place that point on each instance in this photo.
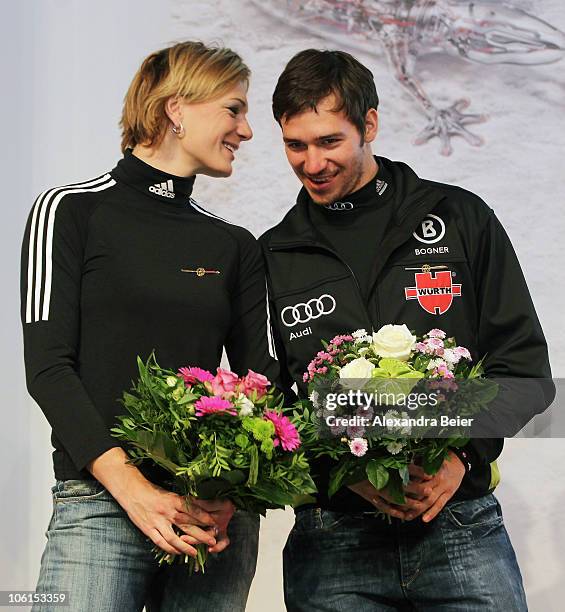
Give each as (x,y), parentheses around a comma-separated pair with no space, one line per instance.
(355,431)
(358,446)
(431,346)
(285,432)
(338,340)
(212,405)
(254,382)
(337,429)
(462,352)
(192,375)
(224,383)
(443,371)
(436,333)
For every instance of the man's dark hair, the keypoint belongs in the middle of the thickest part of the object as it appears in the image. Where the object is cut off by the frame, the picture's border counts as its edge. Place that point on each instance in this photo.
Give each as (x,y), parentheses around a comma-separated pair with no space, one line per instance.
(312,75)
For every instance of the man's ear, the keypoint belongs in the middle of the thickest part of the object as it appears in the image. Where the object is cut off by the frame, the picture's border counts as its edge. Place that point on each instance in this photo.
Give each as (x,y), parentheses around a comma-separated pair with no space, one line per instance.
(371,125)
(173,110)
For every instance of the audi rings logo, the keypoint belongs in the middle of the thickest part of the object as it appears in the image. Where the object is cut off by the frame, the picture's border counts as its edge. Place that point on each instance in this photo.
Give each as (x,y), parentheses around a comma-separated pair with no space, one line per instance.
(340,206)
(304,312)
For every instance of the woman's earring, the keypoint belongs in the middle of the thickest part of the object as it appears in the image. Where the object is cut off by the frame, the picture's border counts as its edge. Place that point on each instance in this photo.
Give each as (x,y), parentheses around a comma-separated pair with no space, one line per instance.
(179,131)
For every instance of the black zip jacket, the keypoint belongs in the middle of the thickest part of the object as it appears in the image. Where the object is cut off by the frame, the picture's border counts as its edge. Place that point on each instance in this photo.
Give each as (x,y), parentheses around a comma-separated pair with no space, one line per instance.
(474,290)
(103,281)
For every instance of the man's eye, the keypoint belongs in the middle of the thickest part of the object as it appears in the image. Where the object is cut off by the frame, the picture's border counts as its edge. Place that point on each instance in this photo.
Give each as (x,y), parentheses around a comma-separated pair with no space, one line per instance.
(294,145)
(330,141)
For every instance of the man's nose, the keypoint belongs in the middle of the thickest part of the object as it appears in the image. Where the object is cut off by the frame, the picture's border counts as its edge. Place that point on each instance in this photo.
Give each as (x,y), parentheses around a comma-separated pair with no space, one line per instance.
(314,161)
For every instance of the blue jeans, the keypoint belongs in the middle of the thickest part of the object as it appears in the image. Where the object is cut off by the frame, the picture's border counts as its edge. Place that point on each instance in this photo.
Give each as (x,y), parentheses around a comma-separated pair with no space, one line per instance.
(106,564)
(460,562)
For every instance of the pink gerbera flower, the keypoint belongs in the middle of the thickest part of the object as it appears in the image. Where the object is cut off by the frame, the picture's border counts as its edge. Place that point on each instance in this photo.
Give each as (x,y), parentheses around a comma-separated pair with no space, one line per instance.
(192,375)
(285,432)
(358,446)
(212,405)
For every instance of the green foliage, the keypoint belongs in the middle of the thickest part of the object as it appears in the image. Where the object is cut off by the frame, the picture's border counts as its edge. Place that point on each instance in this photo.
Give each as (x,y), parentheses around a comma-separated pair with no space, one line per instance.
(217,455)
(377,474)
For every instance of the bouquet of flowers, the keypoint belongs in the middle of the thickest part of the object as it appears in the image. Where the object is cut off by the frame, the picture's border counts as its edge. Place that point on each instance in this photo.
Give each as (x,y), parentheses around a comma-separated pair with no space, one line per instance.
(218,436)
(388,366)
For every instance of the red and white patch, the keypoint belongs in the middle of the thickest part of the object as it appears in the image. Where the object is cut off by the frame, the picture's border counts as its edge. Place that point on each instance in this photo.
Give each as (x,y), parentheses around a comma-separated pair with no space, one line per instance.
(434,291)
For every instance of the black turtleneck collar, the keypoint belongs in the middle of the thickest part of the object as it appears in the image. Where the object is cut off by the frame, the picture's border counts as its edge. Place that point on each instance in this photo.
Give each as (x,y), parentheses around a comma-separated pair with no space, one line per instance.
(377,190)
(157,184)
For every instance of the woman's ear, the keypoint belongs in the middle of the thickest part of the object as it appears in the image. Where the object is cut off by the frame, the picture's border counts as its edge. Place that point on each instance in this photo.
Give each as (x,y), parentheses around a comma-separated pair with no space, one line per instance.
(173,110)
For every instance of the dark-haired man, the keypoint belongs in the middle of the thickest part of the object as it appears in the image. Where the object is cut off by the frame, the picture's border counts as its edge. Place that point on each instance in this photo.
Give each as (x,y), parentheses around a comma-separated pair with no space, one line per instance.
(349,255)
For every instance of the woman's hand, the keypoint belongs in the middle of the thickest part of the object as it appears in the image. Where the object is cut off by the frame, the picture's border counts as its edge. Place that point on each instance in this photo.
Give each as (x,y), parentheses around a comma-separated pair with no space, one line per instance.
(153,509)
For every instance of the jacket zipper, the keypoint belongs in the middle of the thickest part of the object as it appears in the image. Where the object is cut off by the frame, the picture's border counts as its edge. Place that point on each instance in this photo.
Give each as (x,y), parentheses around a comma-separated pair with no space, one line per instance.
(332,252)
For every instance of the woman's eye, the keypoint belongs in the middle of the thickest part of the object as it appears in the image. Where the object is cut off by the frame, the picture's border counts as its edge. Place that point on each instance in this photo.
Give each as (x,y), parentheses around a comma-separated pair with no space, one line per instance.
(234,110)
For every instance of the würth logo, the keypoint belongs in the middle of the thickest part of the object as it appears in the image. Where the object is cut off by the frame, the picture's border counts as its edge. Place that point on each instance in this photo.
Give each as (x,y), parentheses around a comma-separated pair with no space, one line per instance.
(164,189)
(434,291)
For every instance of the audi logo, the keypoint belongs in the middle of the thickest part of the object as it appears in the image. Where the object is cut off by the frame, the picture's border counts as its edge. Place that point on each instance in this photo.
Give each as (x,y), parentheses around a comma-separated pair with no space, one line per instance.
(304,312)
(340,206)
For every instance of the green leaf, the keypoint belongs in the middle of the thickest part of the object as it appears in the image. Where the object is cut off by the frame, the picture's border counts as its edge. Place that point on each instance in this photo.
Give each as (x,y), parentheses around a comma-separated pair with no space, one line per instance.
(336,477)
(404,474)
(431,465)
(272,493)
(253,465)
(394,488)
(377,474)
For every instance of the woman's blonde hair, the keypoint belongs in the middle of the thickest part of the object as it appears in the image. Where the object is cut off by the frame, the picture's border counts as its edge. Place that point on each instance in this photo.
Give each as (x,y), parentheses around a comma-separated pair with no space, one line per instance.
(190,70)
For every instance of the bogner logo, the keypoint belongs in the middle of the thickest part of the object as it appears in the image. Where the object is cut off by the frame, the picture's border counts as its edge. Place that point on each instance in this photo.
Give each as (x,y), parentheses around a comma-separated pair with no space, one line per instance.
(431,230)
(434,291)
(307,311)
(303,332)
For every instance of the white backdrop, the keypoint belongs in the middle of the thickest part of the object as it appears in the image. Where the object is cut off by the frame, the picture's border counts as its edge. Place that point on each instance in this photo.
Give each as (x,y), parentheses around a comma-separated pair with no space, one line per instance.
(66,66)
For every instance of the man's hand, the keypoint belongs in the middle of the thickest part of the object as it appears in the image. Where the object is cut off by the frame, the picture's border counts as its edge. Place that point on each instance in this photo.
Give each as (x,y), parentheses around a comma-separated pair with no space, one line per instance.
(443,485)
(152,509)
(222,511)
(425,494)
(379,499)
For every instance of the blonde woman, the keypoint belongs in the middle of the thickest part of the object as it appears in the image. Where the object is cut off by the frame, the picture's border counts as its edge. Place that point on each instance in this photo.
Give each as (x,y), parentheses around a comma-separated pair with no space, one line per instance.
(109,272)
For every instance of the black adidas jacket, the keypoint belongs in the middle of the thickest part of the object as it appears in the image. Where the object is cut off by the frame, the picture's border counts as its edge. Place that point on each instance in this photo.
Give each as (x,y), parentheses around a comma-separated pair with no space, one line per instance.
(109,273)
(474,290)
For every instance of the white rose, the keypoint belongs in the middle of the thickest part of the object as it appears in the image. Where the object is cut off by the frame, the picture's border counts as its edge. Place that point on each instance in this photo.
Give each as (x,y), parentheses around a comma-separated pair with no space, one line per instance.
(355,370)
(245,405)
(394,341)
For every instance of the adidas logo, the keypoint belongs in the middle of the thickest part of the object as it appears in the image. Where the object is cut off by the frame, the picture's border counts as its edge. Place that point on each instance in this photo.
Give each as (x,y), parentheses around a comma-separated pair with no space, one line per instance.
(381,186)
(164,189)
